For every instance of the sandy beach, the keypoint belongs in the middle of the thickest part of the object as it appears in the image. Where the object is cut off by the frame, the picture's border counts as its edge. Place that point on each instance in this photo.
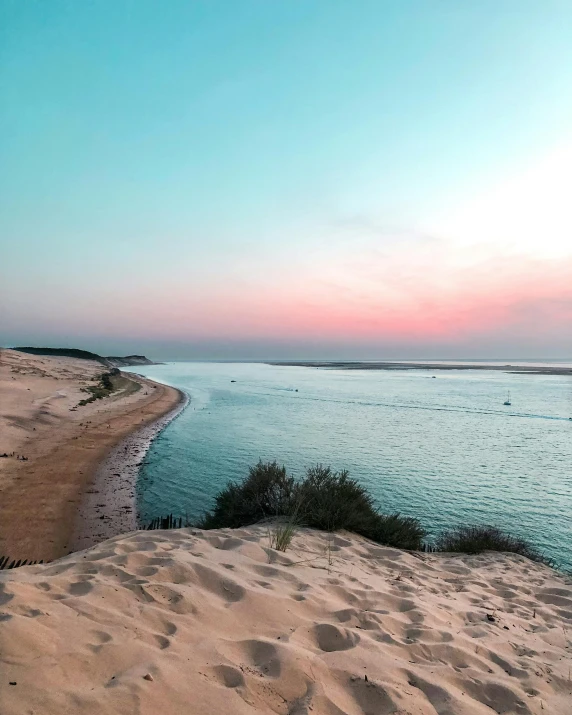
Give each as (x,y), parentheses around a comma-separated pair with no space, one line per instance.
(54,447)
(108,508)
(210,622)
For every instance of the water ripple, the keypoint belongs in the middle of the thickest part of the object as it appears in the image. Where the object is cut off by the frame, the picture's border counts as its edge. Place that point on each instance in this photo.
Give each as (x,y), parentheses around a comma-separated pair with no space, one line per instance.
(446,450)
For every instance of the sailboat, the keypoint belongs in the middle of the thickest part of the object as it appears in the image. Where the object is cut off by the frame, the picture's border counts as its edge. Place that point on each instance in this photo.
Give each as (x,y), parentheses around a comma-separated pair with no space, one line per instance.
(507,401)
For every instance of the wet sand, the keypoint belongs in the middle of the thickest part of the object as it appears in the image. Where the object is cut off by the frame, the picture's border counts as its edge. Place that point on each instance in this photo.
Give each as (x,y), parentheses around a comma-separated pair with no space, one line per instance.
(54,448)
(108,508)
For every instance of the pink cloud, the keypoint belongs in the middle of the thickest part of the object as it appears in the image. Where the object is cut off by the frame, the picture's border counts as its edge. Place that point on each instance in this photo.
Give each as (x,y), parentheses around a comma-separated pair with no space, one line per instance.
(391,299)
(423,294)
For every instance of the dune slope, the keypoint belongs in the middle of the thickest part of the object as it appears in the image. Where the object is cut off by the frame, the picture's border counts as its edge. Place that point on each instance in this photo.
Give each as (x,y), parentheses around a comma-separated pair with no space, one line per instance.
(192,622)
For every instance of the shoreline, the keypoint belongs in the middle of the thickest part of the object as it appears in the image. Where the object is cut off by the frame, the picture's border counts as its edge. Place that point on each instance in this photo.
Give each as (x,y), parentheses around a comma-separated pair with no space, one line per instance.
(109,507)
(349,365)
(52,447)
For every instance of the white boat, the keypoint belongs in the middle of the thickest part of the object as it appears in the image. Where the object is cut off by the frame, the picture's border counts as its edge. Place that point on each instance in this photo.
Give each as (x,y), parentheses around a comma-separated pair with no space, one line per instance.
(507,401)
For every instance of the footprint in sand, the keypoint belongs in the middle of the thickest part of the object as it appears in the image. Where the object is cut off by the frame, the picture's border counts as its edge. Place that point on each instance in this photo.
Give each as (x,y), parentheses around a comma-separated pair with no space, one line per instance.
(372,697)
(496,696)
(331,638)
(80,588)
(101,638)
(427,635)
(4,597)
(161,641)
(213,581)
(228,676)
(255,654)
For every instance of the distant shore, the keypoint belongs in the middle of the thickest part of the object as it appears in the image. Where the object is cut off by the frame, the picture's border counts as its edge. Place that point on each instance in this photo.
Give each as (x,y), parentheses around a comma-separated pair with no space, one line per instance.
(512,369)
(54,447)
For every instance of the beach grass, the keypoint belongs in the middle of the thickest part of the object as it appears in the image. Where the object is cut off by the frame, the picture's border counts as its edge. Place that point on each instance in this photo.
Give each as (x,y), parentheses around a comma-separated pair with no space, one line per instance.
(281,534)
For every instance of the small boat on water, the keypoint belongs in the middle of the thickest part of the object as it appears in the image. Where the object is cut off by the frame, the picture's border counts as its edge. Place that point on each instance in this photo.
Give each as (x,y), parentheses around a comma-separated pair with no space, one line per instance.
(507,401)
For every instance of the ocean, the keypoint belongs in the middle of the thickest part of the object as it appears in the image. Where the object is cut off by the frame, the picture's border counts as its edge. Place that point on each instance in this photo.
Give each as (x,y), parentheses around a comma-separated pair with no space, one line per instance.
(443,449)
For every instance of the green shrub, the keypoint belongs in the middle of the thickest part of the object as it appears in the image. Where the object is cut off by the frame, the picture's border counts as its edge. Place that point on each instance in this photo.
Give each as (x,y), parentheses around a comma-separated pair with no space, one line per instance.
(103,388)
(476,539)
(402,532)
(332,501)
(267,491)
(324,500)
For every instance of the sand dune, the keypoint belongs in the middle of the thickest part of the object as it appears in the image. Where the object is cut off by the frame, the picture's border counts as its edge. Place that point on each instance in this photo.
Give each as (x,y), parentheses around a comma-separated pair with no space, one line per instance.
(189,622)
(63,444)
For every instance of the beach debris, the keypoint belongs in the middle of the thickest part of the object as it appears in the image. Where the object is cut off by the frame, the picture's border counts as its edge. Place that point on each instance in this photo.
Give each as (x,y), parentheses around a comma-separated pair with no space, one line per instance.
(148,676)
(491,618)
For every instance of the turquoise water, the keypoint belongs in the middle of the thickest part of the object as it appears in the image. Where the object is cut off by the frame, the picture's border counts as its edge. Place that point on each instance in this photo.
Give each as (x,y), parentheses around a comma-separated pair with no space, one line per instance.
(445,450)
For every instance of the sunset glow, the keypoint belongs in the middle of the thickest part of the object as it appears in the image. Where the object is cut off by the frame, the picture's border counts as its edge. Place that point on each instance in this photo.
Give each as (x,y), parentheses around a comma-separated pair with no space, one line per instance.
(177,199)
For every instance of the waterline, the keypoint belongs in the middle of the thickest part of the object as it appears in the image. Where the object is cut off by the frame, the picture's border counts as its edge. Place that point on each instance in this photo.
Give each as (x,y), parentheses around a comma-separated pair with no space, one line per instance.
(444,450)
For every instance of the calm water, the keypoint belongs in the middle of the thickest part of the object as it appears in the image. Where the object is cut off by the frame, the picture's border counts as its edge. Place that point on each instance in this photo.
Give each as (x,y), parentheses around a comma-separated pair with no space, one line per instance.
(445,450)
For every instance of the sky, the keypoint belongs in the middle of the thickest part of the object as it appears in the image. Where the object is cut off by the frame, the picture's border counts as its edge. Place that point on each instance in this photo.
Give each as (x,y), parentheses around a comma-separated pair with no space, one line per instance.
(287,179)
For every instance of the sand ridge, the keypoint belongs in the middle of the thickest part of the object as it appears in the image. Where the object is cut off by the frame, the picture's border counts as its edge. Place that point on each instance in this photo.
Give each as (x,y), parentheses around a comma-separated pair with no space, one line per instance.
(62,446)
(205,622)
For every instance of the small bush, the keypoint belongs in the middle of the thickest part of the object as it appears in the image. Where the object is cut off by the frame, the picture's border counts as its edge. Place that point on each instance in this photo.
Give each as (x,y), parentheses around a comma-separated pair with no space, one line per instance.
(267,491)
(476,539)
(332,501)
(402,532)
(324,499)
(103,389)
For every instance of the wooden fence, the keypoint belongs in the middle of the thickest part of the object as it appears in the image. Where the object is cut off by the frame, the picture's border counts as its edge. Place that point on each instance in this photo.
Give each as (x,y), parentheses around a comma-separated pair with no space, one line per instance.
(7,563)
(166,522)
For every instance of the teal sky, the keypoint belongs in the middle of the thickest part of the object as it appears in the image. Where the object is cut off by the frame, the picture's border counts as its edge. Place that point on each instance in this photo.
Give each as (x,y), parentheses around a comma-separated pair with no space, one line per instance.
(287,178)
